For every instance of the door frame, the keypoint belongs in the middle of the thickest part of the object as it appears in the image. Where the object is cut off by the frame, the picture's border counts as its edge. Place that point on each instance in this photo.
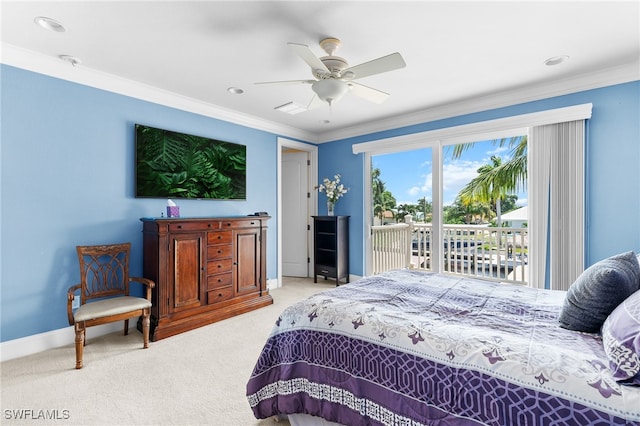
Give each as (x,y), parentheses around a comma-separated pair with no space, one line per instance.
(312,150)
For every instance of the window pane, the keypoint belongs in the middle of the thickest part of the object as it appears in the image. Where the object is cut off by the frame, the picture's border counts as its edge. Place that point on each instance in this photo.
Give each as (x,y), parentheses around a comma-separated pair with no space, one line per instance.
(401,185)
(481,182)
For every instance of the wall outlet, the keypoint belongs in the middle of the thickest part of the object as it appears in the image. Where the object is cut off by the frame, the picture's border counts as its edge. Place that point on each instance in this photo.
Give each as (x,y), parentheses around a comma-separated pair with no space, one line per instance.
(75,304)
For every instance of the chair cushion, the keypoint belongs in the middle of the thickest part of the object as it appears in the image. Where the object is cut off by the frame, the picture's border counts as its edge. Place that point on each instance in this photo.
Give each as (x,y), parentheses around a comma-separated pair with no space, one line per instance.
(107,307)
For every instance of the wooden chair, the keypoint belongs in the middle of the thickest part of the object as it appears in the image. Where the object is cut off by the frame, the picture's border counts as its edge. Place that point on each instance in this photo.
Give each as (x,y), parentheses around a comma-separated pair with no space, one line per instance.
(104,293)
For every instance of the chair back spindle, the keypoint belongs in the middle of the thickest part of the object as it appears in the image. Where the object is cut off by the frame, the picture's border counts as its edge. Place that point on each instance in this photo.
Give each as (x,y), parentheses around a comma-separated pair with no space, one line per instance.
(104,270)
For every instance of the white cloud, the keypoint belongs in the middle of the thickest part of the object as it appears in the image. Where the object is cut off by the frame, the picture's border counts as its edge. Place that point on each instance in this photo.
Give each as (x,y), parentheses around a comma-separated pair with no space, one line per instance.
(414,190)
(427,187)
(498,150)
(456,175)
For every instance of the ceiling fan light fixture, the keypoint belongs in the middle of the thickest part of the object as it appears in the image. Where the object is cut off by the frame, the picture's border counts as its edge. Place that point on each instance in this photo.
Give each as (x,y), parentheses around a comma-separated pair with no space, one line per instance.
(330,90)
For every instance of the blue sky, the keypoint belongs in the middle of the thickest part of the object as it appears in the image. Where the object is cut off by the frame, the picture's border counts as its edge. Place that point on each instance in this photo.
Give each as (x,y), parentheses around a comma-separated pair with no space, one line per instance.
(408,174)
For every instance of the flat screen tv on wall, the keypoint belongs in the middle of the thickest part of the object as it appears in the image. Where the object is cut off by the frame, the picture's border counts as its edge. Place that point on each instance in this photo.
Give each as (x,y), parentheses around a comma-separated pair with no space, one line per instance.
(178,165)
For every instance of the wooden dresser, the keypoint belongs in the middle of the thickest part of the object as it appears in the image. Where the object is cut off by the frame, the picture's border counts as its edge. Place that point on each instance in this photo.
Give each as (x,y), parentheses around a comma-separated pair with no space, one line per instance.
(205,270)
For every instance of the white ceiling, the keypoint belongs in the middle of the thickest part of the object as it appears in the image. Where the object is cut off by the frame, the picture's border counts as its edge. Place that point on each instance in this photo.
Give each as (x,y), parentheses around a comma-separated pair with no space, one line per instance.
(461,56)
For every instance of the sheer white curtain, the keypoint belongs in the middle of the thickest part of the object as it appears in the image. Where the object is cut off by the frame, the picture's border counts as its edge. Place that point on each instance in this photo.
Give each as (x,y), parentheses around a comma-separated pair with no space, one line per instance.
(556,203)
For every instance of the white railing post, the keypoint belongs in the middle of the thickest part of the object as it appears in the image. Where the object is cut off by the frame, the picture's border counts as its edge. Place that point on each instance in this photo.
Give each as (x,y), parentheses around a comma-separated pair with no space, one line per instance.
(408,219)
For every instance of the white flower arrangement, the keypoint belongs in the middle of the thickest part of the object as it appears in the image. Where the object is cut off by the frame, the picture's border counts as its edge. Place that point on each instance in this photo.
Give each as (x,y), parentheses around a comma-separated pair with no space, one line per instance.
(333,189)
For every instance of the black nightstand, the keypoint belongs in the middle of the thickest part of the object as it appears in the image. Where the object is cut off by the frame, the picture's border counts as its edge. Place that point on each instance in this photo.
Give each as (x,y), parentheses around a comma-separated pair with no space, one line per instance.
(331,247)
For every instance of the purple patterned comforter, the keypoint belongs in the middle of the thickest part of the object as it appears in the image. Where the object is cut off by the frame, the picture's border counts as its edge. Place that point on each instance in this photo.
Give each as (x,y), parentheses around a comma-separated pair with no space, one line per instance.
(415,348)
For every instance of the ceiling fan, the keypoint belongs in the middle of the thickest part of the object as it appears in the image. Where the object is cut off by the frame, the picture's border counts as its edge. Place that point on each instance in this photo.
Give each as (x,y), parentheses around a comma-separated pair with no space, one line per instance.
(334,77)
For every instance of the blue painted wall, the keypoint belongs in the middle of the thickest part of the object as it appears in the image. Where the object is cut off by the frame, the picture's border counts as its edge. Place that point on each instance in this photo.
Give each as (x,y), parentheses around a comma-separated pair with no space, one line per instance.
(67,162)
(67,179)
(612,169)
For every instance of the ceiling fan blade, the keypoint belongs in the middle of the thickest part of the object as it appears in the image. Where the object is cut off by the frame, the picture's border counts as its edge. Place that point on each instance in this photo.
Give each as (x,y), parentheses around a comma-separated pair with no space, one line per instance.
(288,82)
(372,95)
(307,55)
(376,66)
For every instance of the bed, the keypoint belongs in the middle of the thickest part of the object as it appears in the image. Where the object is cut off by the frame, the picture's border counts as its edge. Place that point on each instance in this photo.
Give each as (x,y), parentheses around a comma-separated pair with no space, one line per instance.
(416,348)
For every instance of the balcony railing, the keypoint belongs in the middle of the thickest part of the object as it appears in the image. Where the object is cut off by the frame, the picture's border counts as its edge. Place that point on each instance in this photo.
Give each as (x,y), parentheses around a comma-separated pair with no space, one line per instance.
(495,254)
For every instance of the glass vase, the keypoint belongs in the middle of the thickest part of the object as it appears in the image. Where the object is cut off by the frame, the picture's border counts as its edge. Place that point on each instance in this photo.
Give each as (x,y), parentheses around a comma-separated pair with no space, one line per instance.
(330,206)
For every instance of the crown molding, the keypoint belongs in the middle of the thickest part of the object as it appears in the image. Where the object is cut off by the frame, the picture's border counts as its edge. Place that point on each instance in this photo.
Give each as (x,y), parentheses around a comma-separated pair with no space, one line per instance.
(47,65)
(53,67)
(588,81)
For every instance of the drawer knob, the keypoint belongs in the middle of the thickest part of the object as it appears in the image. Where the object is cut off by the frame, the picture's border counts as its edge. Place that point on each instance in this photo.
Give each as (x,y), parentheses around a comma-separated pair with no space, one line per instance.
(219,294)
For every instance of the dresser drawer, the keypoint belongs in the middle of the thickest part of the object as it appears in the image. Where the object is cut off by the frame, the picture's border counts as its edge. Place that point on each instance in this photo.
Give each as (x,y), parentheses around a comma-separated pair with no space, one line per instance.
(219,237)
(218,280)
(219,266)
(218,252)
(247,223)
(194,226)
(219,294)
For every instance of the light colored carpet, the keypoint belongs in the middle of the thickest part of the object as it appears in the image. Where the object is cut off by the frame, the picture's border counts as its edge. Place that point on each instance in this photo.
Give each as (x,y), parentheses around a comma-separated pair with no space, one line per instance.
(194,378)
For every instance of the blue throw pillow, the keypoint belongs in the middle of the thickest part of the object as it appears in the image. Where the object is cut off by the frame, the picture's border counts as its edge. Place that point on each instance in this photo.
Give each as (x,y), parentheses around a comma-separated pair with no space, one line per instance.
(598,291)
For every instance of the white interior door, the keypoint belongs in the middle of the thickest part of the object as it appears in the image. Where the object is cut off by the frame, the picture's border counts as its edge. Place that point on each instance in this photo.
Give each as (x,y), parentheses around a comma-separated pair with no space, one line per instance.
(295,213)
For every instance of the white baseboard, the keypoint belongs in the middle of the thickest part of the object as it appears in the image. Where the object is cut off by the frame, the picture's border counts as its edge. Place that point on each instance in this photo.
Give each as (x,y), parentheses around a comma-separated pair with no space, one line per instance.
(65,336)
(52,339)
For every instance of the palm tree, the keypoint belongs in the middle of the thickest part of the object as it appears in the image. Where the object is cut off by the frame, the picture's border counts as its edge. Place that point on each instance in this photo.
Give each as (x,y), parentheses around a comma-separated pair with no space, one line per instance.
(377,188)
(509,203)
(405,209)
(495,181)
(383,200)
(425,207)
(486,187)
(479,211)
(462,212)
(513,171)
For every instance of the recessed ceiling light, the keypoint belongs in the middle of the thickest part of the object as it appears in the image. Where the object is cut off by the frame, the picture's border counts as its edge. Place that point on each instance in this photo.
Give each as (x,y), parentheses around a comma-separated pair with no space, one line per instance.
(291,108)
(49,24)
(235,90)
(556,60)
(71,59)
